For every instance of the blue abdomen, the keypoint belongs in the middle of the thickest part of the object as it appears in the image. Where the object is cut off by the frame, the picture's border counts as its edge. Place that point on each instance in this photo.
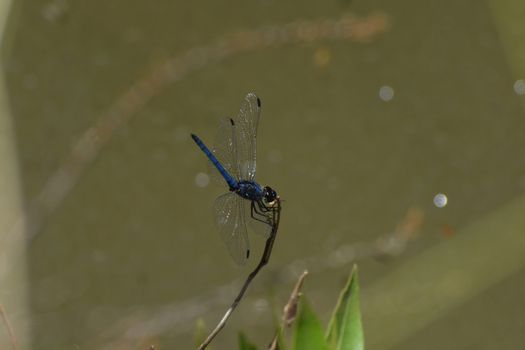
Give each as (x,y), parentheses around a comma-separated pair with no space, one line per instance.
(227,177)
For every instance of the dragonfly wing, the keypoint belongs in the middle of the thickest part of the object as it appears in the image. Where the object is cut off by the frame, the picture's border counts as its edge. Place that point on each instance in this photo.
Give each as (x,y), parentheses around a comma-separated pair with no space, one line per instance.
(225,153)
(246,136)
(229,210)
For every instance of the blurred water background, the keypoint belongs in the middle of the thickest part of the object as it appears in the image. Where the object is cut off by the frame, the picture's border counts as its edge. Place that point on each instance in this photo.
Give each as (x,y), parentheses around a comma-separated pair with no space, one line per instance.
(393,131)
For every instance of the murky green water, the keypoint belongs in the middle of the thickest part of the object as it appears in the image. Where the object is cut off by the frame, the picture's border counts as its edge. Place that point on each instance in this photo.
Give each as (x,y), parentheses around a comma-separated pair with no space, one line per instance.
(131,256)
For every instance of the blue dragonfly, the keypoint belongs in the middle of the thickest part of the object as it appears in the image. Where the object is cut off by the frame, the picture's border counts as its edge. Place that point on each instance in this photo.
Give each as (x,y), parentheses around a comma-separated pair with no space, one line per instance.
(233,160)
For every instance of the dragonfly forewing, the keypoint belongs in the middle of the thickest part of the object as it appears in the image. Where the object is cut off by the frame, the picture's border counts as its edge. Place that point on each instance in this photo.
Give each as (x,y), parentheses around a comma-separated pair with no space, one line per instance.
(223,150)
(246,135)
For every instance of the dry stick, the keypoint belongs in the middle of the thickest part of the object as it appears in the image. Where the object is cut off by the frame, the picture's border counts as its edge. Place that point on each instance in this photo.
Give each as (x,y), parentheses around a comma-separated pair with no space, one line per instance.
(264,260)
(290,309)
(8,327)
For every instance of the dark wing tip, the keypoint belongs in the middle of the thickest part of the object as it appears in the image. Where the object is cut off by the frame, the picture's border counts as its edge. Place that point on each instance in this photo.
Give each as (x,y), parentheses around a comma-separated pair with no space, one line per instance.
(247,253)
(232,122)
(258,102)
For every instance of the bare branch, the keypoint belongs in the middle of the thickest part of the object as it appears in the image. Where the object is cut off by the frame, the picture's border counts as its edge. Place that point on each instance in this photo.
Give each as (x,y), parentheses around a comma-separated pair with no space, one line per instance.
(290,309)
(264,260)
(8,327)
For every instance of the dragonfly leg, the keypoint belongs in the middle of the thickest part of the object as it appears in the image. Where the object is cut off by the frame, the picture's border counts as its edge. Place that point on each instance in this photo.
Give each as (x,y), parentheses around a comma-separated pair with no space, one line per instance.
(264,208)
(257,214)
(262,211)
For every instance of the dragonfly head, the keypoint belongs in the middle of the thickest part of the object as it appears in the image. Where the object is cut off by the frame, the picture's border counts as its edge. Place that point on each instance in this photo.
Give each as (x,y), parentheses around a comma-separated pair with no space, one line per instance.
(269,195)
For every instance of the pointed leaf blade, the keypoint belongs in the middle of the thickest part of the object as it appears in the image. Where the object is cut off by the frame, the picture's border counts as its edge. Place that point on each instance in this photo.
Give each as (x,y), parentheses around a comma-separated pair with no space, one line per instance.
(200,332)
(345,330)
(244,343)
(308,333)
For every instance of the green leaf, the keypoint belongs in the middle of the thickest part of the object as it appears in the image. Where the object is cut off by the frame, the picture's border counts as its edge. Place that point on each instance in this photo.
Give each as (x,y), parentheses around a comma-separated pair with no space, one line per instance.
(308,333)
(244,344)
(281,344)
(345,331)
(200,332)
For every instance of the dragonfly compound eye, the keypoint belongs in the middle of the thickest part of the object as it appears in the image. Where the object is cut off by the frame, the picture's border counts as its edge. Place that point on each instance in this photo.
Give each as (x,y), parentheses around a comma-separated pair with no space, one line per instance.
(269,194)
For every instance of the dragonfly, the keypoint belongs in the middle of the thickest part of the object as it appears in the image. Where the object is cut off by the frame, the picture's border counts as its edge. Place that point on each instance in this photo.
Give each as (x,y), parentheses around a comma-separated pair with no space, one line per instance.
(233,161)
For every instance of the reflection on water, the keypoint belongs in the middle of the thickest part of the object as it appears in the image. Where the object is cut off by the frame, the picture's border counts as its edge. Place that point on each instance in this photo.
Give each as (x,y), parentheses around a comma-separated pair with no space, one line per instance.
(139,94)
(366,116)
(519,87)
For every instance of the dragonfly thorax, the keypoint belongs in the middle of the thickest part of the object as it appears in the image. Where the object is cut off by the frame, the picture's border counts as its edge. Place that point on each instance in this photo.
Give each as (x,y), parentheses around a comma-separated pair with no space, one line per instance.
(250,190)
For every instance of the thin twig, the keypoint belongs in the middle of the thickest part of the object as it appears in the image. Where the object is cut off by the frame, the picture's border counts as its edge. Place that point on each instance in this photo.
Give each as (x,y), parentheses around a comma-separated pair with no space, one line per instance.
(290,309)
(8,327)
(264,260)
